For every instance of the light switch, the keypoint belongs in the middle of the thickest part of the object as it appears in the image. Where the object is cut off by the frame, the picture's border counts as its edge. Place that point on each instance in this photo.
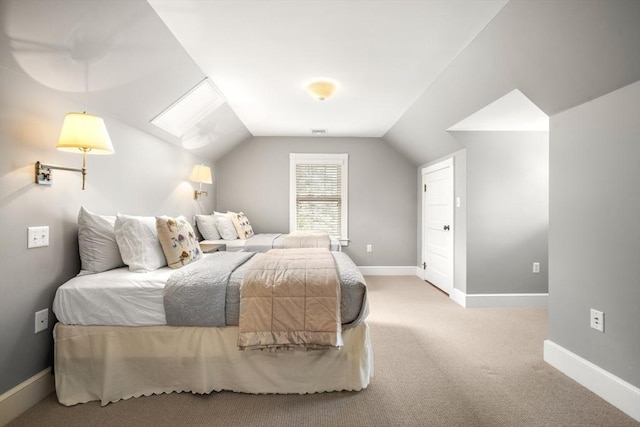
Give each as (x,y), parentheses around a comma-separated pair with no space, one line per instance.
(38,236)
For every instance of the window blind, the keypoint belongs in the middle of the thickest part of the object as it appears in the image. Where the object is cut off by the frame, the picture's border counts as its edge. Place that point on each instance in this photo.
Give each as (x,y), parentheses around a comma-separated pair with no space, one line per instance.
(319,198)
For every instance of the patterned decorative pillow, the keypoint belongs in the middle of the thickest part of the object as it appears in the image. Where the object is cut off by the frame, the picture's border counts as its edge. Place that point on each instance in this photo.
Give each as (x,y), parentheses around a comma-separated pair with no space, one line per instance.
(225,226)
(242,224)
(178,241)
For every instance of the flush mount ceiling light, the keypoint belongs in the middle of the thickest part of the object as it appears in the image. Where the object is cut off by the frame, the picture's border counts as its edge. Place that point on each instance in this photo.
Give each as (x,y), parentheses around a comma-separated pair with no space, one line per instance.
(322,88)
(189,110)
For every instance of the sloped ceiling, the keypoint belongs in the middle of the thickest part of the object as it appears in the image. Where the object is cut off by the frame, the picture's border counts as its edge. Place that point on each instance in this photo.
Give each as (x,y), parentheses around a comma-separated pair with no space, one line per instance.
(410,69)
(512,112)
(559,54)
(383,54)
(115,58)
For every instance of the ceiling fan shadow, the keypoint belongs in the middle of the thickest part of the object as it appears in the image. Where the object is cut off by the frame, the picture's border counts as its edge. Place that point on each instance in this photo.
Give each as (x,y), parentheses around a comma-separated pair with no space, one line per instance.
(86,46)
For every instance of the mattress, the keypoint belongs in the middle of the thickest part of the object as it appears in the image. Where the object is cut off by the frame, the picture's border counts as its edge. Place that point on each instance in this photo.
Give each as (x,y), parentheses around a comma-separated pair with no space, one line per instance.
(120,297)
(263,242)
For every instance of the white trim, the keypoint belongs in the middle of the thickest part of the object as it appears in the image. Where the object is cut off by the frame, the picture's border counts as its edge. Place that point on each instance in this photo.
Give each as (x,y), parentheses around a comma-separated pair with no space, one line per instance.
(393,270)
(506,300)
(458,297)
(611,388)
(25,395)
(498,300)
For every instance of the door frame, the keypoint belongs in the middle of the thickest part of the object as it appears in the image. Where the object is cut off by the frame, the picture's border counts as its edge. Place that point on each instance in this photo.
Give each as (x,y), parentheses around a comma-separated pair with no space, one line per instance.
(447,163)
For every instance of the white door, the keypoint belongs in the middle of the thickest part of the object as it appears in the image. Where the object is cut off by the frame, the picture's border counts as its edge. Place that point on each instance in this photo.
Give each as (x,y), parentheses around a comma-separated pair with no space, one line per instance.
(437,224)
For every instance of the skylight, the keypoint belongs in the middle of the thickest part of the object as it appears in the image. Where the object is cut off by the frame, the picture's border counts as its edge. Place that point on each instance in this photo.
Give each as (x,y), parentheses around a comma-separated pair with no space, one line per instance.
(189,110)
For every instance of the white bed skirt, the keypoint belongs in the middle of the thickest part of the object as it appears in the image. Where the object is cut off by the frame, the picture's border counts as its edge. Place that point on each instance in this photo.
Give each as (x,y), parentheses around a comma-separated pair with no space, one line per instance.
(109,363)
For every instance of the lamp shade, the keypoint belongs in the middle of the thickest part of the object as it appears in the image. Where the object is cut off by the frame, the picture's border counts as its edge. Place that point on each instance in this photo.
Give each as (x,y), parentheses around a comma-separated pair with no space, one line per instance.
(201,174)
(84,132)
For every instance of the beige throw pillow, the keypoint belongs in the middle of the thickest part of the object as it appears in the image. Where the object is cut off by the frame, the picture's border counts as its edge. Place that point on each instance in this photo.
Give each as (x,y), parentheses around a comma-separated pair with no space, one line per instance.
(178,241)
(241,224)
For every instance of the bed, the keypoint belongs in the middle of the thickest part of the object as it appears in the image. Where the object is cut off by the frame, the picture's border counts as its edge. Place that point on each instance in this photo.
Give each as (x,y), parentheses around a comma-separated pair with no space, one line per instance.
(234,230)
(113,342)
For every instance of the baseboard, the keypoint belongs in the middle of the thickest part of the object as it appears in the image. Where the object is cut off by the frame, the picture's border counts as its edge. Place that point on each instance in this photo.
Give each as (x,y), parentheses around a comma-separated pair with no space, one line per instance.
(26,394)
(458,297)
(505,300)
(614,390)
(393,270)
(498,300)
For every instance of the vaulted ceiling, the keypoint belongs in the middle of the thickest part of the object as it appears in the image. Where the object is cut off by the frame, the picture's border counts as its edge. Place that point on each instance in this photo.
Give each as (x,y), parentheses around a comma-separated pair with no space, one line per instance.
(383,54)
(407,70)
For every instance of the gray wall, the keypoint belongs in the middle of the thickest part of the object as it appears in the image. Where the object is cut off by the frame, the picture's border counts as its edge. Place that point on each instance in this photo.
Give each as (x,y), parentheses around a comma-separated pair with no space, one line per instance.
(254,178)
(507,211)
(594,235)
(146,176)
(558,53)
(500,228)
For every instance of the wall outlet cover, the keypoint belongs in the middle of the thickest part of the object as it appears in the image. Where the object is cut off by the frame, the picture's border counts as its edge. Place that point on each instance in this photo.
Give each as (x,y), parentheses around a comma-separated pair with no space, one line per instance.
(597,320)
(42,320)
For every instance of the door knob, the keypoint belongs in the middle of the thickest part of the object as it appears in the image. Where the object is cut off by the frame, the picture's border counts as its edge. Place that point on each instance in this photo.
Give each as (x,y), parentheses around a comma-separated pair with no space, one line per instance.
(446,228)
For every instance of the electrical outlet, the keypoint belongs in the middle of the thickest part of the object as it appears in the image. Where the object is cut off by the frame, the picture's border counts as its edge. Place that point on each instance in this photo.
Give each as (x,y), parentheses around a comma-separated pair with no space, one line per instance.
(37,236)
(42,320)
(597,320)
(369,248)
(536,267)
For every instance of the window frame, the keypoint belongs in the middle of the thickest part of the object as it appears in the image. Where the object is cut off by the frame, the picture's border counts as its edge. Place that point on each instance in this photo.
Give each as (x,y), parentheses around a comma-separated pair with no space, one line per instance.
(321,158)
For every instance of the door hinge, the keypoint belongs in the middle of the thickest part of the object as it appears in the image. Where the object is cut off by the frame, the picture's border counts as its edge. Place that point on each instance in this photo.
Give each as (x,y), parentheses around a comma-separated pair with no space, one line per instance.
(425,188)
(424,265)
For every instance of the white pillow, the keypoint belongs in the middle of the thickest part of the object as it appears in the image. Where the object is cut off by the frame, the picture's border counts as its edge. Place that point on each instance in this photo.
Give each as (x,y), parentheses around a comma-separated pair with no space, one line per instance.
(225,226)
(97,243)
(207,227)
(137,239)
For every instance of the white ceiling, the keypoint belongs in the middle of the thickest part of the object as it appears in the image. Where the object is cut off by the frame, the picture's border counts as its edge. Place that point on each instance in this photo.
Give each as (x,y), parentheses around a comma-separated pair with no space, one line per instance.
(512,112)
(384,54)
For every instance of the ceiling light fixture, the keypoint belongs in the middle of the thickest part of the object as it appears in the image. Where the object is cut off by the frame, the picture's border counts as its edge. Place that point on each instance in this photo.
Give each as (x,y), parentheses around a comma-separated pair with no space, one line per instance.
(322,88)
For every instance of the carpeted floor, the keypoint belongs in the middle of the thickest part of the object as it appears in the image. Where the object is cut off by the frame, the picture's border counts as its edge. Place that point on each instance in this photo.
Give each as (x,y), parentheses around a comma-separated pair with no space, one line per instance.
(436,364)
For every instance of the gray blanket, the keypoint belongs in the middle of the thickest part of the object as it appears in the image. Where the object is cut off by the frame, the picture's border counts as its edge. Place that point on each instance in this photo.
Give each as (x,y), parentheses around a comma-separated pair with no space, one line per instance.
(195,294)
(211,287)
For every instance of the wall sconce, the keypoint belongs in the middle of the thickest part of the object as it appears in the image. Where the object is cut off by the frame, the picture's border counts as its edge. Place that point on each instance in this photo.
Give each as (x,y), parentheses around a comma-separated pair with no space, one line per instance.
(202,175)
(83,132)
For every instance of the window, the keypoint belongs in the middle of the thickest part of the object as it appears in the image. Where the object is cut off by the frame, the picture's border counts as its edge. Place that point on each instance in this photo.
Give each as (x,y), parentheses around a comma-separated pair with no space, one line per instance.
(318,194)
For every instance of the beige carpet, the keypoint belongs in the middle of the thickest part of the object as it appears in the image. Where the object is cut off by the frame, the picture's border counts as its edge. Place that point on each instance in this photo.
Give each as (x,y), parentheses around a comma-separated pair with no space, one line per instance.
(436,364)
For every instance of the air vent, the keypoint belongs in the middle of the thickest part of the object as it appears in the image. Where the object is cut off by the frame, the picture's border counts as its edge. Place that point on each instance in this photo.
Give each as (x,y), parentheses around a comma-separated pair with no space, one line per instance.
(318,132)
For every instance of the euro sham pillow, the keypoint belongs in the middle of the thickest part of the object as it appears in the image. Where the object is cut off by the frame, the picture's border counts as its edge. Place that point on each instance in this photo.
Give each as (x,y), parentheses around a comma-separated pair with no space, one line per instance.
(241,224)
(97,242)
(225,226)
(178,241)
(207,227)
(137,239)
